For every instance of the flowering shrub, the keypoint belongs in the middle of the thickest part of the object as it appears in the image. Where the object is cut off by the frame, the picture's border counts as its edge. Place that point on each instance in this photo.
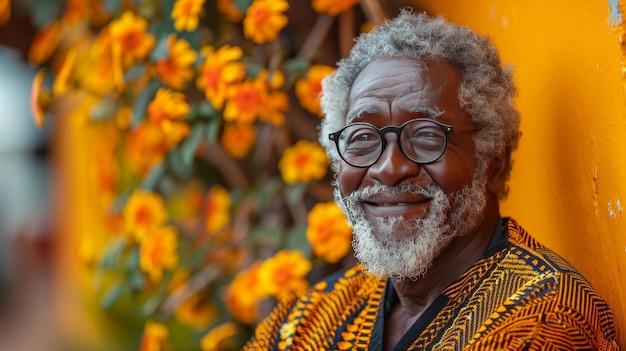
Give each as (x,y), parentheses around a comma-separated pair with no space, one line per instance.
(205,160)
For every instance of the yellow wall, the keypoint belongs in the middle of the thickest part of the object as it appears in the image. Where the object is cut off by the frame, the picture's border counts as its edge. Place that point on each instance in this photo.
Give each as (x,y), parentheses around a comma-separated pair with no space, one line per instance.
(568,186)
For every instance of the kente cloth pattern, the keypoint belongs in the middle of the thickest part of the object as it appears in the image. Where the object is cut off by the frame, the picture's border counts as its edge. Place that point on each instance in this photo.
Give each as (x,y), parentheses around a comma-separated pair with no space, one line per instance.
(520,297)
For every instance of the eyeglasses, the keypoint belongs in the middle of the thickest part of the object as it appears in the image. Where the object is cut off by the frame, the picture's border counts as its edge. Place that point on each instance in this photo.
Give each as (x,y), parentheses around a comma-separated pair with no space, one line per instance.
(421,140)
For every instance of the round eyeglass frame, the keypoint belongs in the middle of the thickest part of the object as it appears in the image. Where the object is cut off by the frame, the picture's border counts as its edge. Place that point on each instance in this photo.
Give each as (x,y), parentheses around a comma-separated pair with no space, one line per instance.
(446,128)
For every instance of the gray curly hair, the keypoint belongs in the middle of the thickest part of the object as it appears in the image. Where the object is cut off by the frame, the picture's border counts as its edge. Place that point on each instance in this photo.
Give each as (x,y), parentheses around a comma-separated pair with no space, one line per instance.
(486,92)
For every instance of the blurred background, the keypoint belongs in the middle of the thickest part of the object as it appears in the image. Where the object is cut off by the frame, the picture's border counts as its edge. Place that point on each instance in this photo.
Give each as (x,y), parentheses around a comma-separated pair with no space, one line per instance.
(59,291)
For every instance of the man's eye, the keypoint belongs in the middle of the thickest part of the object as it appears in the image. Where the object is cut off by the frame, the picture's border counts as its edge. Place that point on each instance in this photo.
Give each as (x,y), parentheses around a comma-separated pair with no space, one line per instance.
(363,136)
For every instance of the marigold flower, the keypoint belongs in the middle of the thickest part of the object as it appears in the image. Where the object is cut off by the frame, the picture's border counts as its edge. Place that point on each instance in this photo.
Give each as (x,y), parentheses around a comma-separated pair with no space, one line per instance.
(5,11)
(146,146)
(37,106)
(130,41)
(167,105)
(244,294)
(157,252)
(94,72)
(265,19)
(176,70)
(166,110)
(60,85)
(276,102)
(238,139)
(196,312)
(228,9)
(217,209)
(308,89)
(221,69)
(303,162)
(284,273)
(143,213)
(154,336)
(332,7)
(255,99)
(246,101)
(44,43)
(185,14)
(105,170)
(328,232)
(218,336)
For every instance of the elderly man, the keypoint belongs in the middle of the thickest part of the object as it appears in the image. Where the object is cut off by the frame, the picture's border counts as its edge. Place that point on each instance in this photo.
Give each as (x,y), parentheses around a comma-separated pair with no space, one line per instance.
(420,123)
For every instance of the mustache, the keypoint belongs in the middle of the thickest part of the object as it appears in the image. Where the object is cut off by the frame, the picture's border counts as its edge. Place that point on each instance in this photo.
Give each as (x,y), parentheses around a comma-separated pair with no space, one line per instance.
(365,193)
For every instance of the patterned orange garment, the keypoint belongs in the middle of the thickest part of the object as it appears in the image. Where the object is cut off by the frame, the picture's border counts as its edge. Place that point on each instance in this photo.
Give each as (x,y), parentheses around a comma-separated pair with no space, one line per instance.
(518,296)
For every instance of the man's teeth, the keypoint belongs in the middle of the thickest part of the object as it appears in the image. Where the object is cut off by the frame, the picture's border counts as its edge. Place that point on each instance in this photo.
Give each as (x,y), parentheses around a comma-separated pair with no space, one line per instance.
(396,204)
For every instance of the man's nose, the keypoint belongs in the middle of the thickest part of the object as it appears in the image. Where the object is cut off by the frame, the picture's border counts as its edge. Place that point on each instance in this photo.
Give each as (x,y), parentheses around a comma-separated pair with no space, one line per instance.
(393,167)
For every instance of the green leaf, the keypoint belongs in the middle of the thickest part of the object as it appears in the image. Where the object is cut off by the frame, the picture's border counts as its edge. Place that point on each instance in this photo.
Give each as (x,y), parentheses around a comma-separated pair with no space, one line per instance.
(43,12)
(175,163)
(297,65)
(294,193)
(266,192)
(111,6)
(112,254)
(144,98)
(153,178)
(112,295)
(212,130)
(242,5)
(104,109)
(160,50)
(269,235)
(137,280)
(296,239)
(190,145)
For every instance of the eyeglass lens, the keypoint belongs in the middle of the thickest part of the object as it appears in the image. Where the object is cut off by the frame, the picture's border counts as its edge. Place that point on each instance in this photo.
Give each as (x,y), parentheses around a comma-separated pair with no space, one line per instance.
(422,141)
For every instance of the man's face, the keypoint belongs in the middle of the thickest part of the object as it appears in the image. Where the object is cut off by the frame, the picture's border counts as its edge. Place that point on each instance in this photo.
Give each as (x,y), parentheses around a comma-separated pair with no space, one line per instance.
(404,213)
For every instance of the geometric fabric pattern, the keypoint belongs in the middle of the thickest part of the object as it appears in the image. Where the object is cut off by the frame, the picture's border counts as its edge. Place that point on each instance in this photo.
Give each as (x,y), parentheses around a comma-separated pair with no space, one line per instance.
(521,296)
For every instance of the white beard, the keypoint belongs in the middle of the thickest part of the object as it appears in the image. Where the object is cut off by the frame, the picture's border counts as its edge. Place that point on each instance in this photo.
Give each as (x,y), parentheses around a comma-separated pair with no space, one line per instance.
(411,257)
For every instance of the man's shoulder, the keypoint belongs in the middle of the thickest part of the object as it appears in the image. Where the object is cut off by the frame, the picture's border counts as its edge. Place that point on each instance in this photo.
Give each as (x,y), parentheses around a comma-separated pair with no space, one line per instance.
(553,278)
(528,249)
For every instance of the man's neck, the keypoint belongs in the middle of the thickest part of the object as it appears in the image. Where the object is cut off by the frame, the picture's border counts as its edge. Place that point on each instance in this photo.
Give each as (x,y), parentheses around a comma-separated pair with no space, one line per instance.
(415,295)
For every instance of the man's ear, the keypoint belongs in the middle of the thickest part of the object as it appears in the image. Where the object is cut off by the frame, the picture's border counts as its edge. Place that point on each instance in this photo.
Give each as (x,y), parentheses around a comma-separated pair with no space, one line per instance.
(497,172)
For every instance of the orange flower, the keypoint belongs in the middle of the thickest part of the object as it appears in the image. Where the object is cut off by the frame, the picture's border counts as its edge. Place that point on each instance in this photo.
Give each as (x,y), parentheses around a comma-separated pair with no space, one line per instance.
(158,252)
(37,105)
(143,213)
(276,102)
(303,162)
(245,102)
(44,43)
(165,111)
(255,99)
(284,273)
(60,85)
(244,294)
(146,146)
(5,11)
(328,232)
(154,336)
(185,14)
(105,170)
(221,69)
(228,9)
(130,42)
(196,312)
(94,71)
(332,7)
(218,336)
(216,209)
(238,139)
(308,89)
(176,70)
(265,19)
